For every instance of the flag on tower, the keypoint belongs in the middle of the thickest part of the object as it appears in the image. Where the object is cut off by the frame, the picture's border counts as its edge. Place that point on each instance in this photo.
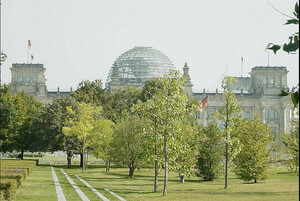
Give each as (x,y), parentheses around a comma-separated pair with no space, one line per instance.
(29,44)
(268,47)
(203,103)
(242,59)
(32,58)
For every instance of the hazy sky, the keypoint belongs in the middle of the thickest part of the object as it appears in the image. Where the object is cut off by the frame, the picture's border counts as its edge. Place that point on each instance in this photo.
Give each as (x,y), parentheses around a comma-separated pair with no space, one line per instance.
(80,40)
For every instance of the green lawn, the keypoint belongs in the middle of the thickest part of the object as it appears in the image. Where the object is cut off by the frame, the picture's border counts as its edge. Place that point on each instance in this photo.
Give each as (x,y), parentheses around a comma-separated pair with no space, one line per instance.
(282,185)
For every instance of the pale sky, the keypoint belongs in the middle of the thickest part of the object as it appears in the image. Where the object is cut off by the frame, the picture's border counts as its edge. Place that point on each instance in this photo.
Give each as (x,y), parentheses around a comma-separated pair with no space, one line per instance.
(80,39)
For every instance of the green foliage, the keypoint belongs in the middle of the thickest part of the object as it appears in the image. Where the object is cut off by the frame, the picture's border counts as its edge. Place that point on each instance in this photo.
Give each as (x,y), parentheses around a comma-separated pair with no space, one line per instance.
(8,188)
(128,142)
(19,112)
(47,127)
(166,108)
(291,141)
(293,45)
(209,149)
(252,161)
(230,114)
(80,124)
(100,139)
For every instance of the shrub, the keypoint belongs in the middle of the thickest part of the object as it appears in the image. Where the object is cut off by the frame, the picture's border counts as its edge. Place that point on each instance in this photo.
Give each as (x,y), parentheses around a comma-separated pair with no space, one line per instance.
(8,188)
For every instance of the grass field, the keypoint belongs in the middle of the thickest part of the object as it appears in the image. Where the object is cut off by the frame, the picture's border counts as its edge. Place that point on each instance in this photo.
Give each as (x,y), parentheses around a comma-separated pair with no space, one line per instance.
(282,185)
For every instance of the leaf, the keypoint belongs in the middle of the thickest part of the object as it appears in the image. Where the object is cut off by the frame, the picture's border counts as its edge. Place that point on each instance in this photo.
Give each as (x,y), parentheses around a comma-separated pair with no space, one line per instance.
(284,93)
(292,21)
(295,98)
(275,48)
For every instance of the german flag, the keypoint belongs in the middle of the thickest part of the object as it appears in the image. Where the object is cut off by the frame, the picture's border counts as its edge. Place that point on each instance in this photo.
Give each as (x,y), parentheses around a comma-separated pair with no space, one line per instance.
(29,44)
(203,103)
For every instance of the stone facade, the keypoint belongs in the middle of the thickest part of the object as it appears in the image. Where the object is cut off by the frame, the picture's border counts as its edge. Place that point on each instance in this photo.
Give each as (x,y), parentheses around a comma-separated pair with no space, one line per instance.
(257,94)
(30,78)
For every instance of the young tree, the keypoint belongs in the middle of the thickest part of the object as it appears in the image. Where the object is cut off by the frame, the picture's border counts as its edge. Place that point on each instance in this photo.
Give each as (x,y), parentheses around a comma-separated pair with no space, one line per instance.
(80,124)
(252,161)
(291,141)
(229,113)
(128,142)
(166,109)
(100,140)
(209,149)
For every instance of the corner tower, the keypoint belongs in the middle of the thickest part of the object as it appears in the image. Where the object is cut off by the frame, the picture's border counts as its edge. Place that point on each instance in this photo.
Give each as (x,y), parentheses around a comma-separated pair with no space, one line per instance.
(29,78)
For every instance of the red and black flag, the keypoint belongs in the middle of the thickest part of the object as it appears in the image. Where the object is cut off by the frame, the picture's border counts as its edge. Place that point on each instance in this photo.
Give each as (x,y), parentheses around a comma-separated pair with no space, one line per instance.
(203,103)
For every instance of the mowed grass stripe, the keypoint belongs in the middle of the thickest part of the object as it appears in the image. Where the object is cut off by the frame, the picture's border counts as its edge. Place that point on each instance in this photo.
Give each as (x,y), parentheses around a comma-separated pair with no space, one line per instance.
(69,191)
(38,186)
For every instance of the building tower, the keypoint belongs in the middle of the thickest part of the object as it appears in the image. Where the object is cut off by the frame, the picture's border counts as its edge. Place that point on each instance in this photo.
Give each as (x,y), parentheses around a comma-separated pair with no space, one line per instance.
(29,78)
(188,84)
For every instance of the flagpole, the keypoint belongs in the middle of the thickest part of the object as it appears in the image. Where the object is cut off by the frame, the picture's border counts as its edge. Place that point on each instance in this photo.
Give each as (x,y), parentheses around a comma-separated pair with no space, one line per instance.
(242,69)
(27,54)
(268,58)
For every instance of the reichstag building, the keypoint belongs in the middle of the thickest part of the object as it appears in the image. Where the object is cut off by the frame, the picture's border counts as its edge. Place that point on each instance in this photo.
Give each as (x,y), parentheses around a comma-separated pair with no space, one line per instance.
(256,94)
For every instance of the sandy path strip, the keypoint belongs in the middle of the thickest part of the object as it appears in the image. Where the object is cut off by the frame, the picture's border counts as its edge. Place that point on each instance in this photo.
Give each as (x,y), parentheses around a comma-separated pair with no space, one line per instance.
(59,192)
(79,192)
(119,197)
(94,190)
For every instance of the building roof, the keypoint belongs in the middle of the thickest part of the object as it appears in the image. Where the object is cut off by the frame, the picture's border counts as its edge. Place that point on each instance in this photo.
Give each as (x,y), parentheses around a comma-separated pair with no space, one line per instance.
(142,63)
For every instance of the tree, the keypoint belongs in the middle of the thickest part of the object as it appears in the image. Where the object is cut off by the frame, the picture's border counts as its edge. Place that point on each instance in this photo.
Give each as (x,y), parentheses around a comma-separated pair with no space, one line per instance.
(47,128)
(80,124)
(10,120)
(28,108)
(229,113)
(166,109)
(291,47)
(128,142)
(209,149)
(100,140)
(252,161)
(291,141)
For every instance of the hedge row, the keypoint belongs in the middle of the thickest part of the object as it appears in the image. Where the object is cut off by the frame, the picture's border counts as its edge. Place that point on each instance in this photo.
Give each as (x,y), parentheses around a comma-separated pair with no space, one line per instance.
(13,173)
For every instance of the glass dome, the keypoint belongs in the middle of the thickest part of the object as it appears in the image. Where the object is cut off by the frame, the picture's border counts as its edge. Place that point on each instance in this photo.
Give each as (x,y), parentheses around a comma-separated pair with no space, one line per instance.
(142,63)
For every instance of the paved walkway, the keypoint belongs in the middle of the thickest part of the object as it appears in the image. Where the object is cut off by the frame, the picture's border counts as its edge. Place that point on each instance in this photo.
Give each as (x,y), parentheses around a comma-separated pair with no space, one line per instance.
(59,192)
(94,190)
(119,197)
(79,192)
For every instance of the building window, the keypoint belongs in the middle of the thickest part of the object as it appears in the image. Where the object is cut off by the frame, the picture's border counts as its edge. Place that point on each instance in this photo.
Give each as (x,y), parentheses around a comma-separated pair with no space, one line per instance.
(26,78)
(277,81)
(272,114)
(248,115)
(33,78)
(20,78)
(265,81)
(209,114)
(198,115)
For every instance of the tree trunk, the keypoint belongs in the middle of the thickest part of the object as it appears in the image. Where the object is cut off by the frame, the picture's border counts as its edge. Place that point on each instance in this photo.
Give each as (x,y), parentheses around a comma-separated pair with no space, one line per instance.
(86,161)
(156,177)
(69,159)
(22,154)
(166,165)
(181,178)
(226,165)
(81,160)
(255,181)
(107,163)
(131,171)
